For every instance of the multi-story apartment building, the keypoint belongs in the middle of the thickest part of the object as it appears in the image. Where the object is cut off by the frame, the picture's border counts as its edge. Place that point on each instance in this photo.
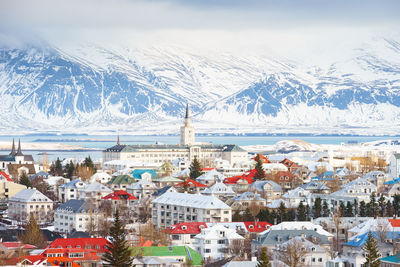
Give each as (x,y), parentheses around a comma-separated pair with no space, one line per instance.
(78,215)
(71,190)
(28,201)
(172,208)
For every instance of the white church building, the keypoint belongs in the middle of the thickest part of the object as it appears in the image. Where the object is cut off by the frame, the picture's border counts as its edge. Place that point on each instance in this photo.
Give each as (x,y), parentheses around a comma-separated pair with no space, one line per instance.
(187,150)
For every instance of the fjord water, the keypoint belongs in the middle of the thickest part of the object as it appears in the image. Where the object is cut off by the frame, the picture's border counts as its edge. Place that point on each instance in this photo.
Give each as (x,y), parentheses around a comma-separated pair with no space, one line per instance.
(99,142)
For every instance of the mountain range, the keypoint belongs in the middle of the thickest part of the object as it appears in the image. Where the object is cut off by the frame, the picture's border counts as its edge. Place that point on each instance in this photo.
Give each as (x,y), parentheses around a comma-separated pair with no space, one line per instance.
(95,89)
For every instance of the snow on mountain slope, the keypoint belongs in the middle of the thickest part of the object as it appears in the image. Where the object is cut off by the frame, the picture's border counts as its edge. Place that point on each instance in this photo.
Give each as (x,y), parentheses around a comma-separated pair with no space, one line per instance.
(145,88)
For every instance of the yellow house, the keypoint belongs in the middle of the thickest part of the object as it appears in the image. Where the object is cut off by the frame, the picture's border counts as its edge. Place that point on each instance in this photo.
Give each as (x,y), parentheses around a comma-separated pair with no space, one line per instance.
(9,189)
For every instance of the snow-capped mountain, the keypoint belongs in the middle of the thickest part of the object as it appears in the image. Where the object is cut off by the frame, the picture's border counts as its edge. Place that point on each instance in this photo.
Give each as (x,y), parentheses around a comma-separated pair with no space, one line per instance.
(93,88)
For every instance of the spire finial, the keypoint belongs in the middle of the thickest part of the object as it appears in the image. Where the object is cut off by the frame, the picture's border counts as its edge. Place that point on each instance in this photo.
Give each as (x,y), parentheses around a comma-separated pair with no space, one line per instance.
(19,151)
(187,111)
(13,149)
(118,141)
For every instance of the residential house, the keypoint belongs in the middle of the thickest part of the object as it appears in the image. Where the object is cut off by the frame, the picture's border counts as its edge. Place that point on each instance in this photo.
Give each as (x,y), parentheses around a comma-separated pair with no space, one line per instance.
(246,200)
(191,185)
(267,189)
(297,195)
(73,257)
(314,255)
(100,177)
(140,174)
(9,249)
(316,187)
(359,188)
(121,182)
(143,188)
(390,261)
(97,244)
(70,190)
(210,178)
(94,191)
(76,215)
(394,166)
(287,180)
(166,181)
(219,189)
(172,208)
(30,201)
(8,187)
(213,243)
(290,165)
(120,198)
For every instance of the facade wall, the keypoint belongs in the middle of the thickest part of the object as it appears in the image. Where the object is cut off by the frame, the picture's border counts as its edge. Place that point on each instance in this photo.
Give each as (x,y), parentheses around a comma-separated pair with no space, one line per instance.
(20,211)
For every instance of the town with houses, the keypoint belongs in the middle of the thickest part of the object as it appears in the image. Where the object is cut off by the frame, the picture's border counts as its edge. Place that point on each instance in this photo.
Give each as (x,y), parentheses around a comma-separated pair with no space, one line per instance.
(201,204)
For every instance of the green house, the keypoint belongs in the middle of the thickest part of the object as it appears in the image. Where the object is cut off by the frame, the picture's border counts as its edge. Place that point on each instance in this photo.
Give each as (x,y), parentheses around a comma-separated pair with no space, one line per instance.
(121,182)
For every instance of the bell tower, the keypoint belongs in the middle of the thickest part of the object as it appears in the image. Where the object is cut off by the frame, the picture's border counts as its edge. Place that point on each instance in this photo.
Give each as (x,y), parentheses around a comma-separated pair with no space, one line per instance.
(187,130)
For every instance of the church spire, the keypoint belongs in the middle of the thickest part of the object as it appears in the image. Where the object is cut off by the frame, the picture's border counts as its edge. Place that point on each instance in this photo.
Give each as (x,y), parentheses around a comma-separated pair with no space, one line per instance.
(19,152)
(187,111)
(13,149)
(118,141)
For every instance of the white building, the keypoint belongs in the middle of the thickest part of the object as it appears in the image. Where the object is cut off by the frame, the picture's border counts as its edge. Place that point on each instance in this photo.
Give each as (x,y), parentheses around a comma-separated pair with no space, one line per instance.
(78,215)
(70,190)
(359,188)
(172,208)
(143,188)
(100,177)
(28,201)
(187,150)
(210,178)
(94,191)
(219,189)
(213,242)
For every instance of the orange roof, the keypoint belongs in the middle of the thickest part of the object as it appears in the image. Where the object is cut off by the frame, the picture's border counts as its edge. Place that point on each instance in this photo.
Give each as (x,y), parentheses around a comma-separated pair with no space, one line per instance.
(17,245)
(119,195)
(98,244)
(55,261)
(5,175)
(262,157)
(394,222)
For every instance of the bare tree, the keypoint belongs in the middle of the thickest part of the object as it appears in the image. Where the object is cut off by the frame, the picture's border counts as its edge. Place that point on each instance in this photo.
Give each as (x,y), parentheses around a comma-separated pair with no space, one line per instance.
(382,228)
(148,232)
(337,218)
(292,252)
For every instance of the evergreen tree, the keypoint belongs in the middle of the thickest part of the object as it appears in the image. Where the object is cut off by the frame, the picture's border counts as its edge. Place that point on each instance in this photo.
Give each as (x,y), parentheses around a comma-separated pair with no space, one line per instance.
(58,170)
(363,209)
(342,208)
(389,210)
(247,216)
(263,261)
(282,214)
(274,217)
(260,173)
(382,206)
(325,209)
(69,169)
(372,206)
(348,212)
(291,215)
(308,212)
(118,252)
(88,162)
(264,215)
(24,180)
(301,212)
(32,234)
(396,204)
(195,169)
(236,217)
(317,208)
(371,252)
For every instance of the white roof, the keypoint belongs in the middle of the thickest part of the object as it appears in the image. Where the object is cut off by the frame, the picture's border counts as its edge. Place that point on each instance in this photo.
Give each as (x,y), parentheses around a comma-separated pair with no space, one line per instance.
(241,264)
(212,175)
(300,226)
(298,192)
(53,180)
(96,187)
(98,176)
(219,188)
(184,173)
(372,225)
(140,183)
(277,202)
(274,166)
(213,232)
(30,195)
(191,200)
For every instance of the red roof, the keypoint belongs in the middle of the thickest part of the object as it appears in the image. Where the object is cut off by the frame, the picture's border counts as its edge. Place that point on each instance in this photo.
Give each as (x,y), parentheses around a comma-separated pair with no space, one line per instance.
(235,179)
(119,195)
(190,183)
(17,245)
(186,228)
(5,175)
(55,261)
(97,244)
(195,227)
(207,169)
(257,227)
(88,254)
(395,222)
(290,164)
(33,259)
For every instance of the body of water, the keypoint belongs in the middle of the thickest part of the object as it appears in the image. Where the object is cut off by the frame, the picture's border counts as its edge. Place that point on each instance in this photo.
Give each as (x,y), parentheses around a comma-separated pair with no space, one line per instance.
(100,142)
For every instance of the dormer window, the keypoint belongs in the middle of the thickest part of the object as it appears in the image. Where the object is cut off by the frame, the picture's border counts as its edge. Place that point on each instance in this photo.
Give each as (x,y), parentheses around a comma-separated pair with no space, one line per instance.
(184,227)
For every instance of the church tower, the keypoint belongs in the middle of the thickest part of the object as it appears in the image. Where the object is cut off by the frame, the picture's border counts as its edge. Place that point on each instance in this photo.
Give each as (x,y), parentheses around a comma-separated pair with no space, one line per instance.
(187,130)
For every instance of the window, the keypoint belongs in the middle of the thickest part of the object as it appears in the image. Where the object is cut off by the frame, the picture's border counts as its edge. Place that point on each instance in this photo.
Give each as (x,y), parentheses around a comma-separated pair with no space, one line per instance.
(221,241)
(207,241)
(207,250)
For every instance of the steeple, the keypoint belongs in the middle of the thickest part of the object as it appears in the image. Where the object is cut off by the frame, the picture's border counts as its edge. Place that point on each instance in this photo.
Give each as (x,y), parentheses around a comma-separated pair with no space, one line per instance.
(19,152)
(13,149)
(118,141)
(187,111)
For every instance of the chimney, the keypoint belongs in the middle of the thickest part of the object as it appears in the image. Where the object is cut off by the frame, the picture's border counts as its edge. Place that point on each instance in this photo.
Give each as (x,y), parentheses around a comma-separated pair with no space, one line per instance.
(253,259)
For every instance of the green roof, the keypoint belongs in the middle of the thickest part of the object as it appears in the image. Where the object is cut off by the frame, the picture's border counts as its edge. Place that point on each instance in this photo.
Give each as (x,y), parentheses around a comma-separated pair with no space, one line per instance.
(122,179)
(392,259)
(188,252)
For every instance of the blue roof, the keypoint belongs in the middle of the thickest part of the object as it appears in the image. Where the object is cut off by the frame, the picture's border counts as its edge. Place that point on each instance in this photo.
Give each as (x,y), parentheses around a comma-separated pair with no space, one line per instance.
(137,174)
(394,181)
(392,259)
(360,240)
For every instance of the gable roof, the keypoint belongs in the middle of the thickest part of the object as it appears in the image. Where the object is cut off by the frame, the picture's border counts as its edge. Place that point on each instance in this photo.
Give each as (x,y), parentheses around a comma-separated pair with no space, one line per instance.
(6,177)
(119,195)
(73,183)
(74,206)
(190,183)
(122,179)
(30,195)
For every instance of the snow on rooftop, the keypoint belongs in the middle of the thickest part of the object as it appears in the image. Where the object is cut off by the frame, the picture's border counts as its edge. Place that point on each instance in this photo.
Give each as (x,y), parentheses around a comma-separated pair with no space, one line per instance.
(191,200)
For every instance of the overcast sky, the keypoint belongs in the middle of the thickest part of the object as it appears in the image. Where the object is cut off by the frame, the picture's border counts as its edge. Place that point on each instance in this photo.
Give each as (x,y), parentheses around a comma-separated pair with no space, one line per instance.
(228,21)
